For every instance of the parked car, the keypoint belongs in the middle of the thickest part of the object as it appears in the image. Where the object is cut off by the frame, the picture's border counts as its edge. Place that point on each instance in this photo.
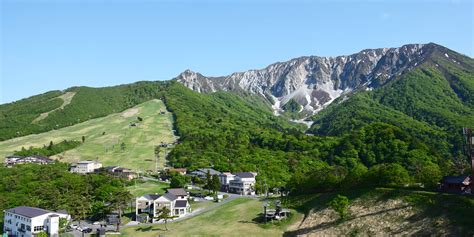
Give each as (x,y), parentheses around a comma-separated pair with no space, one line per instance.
(87,230)
(96,223)
(73,226)
(79,228)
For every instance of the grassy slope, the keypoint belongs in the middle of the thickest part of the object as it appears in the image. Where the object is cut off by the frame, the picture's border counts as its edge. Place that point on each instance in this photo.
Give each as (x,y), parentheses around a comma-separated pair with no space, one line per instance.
(139,141)
(386,211)
(141,188)
(234,218)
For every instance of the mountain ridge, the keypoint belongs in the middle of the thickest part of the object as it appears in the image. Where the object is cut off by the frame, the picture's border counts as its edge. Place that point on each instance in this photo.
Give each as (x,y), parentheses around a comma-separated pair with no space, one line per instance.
(314,82)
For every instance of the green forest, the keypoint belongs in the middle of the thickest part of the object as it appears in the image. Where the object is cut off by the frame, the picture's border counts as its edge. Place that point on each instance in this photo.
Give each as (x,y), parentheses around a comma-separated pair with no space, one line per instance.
(50,150)
(53,187)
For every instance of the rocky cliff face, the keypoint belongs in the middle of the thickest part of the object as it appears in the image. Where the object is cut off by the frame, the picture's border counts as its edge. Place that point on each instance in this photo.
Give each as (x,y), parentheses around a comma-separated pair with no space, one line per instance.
(314,82)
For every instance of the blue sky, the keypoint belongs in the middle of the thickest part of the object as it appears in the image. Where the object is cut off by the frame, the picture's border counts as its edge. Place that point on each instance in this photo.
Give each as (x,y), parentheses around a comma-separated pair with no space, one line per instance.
(47,45)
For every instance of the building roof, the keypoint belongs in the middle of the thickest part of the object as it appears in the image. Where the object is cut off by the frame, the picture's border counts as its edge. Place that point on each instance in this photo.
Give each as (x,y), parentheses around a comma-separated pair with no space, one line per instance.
(207,170)
(110,168)
(181,203)
(246,175)
(170,196)
(30,212)
(226,174)
(152,196)
(83,162)
(177,191)
(456,179)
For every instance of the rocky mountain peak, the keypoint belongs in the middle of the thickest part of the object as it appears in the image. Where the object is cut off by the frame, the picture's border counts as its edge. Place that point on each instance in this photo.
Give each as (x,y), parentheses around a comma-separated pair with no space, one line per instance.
(312,81)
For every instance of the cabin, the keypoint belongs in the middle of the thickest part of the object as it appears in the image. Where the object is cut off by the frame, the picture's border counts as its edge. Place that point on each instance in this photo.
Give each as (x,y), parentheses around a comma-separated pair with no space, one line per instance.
(456,184)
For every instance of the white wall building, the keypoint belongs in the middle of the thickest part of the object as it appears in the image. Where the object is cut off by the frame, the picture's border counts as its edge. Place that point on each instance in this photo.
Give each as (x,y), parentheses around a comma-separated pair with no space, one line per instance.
(176,200)
(26,221)
(225,179)
(85,167)
(243,183)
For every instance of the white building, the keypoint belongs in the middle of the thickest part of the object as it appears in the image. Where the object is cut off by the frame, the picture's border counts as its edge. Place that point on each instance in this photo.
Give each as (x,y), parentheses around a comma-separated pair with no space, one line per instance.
(16,160)
(151,204)
(85,167)
(26,221)
(225,179)
(243,183)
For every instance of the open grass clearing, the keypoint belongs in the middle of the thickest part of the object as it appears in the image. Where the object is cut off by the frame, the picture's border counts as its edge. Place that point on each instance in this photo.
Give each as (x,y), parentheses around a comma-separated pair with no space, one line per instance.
(237,218)
(140,188)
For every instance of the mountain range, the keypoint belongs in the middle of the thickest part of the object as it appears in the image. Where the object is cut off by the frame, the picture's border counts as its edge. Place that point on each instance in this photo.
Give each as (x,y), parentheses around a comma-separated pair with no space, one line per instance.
(314,82)
(403,105)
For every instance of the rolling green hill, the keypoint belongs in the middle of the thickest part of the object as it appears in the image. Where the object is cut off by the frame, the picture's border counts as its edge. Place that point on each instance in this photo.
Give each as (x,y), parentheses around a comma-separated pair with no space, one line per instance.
(104,136)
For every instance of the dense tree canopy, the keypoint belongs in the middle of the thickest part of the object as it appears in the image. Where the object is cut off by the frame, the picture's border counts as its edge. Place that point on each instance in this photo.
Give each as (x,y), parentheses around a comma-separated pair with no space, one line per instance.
(53,187)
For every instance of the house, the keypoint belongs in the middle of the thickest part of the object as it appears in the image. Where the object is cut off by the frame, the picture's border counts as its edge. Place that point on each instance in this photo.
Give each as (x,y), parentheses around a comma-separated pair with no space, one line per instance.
(202,173)
(85,167)
(225,179)
(148,206)
(120,172)
(243,183)
(456,184)
(16,160)
(24,221)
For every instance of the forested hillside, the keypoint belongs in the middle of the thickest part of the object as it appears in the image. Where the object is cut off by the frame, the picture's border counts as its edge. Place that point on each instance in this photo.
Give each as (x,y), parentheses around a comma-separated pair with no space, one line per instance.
(432,103)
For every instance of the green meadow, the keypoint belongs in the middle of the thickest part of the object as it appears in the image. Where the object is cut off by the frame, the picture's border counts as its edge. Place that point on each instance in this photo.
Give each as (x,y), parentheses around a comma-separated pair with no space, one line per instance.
(104,138)
(239,217)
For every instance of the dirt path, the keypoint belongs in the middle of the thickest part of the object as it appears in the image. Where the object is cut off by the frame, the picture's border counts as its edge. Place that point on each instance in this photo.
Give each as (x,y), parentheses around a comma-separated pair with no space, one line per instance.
(66,97)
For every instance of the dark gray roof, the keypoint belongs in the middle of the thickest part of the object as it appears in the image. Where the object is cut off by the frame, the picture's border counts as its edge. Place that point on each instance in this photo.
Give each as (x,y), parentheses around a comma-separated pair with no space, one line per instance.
(181,203)
(245,175)
(28,211)
(170,196)
(153,196)
(177,191)
(454,179)
(205,171)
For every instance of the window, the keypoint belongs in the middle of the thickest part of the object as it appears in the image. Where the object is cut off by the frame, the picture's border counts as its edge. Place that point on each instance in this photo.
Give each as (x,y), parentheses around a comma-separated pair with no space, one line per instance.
(38,228)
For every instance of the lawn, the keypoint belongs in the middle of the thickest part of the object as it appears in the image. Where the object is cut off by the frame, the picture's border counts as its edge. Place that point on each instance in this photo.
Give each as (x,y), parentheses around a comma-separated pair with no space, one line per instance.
(237,217)
(150,187)
(105,135)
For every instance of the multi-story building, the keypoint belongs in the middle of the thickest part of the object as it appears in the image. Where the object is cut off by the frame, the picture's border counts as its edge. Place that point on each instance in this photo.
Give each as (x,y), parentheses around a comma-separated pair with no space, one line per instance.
(151,204)
(26,221)
(225,179)
(85,167)
(243,183)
